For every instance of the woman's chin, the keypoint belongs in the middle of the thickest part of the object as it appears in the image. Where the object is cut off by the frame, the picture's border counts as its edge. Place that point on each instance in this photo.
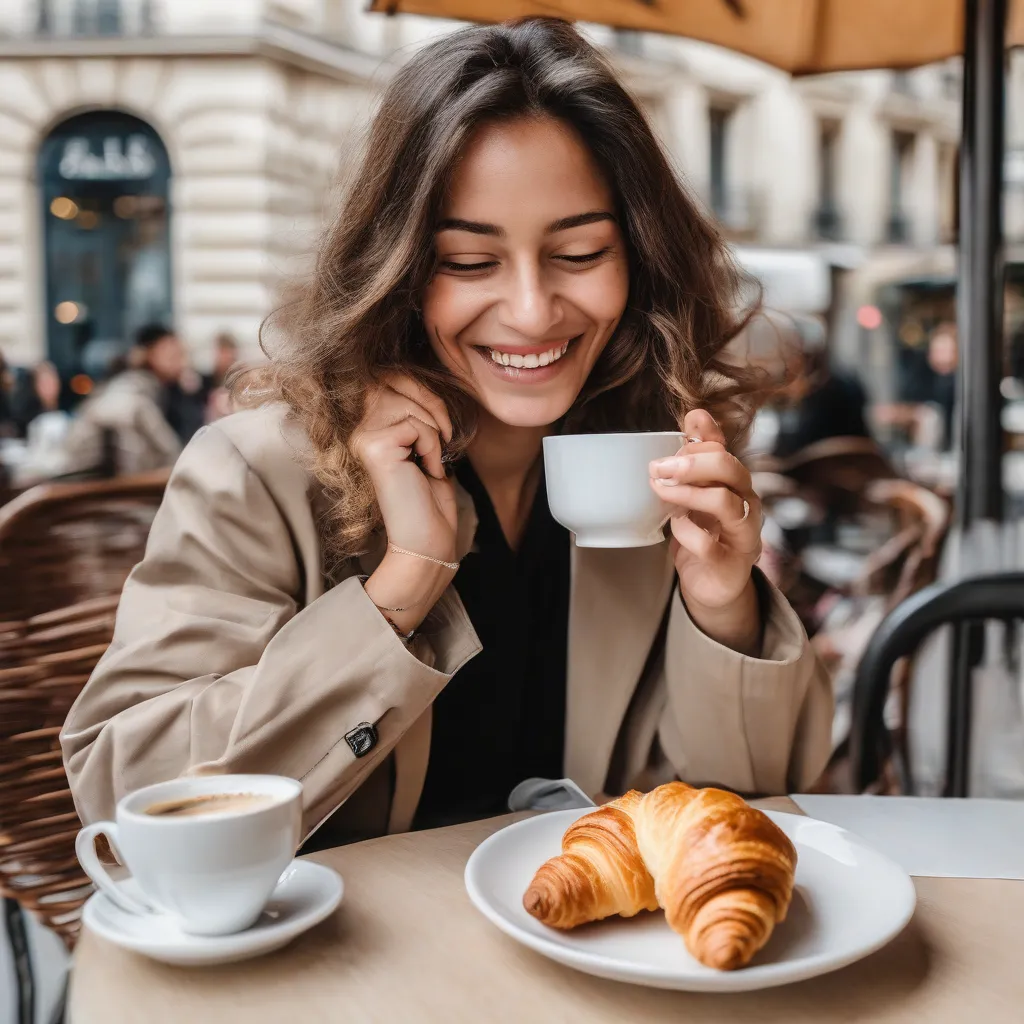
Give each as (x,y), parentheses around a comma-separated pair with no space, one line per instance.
(529,412)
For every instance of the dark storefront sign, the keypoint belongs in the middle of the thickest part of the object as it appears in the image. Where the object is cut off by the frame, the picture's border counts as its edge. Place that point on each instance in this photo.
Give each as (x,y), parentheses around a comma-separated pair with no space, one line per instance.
(105,180)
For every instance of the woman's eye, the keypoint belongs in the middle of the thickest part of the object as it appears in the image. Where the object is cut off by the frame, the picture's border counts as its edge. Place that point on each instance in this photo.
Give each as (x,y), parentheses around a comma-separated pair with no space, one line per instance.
(590,257)
(467,267)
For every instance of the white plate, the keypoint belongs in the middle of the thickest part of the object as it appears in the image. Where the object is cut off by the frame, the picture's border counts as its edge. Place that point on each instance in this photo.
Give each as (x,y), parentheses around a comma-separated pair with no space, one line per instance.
(849,901)
(306,894)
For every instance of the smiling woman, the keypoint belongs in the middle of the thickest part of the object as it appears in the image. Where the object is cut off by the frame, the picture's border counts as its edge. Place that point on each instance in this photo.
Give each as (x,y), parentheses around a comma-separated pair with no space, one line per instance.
(360,584)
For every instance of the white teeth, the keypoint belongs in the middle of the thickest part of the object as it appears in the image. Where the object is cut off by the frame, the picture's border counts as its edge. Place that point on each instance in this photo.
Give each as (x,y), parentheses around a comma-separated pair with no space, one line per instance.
(531,361)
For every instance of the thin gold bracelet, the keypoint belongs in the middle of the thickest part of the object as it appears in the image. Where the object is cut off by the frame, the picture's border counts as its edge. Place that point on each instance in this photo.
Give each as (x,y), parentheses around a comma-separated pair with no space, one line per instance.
(427,558)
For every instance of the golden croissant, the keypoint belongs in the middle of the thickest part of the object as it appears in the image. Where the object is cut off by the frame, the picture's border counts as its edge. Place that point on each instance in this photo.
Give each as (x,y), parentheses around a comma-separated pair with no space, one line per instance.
(723,870)
(599,872)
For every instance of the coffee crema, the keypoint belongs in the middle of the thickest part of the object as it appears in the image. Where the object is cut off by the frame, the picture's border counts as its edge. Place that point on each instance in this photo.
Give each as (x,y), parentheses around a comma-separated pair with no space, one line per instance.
(208,803)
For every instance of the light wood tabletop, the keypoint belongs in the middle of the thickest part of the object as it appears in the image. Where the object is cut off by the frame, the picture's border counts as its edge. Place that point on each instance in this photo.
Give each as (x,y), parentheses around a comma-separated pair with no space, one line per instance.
(406,946)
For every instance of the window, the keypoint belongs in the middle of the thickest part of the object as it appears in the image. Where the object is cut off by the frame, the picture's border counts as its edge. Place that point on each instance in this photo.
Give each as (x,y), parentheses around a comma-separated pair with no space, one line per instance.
(84,17)
(900,177)
(629,41)
(735,205)
(901,83)
(719,118)
(949,187)
(827,222)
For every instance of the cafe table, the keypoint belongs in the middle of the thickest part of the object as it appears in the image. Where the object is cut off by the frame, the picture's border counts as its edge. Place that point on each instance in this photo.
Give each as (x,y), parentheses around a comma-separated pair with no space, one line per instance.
(407,946)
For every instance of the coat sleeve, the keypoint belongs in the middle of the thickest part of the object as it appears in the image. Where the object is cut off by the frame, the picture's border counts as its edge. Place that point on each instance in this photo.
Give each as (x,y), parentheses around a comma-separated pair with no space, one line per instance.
(755,725)
(214,667)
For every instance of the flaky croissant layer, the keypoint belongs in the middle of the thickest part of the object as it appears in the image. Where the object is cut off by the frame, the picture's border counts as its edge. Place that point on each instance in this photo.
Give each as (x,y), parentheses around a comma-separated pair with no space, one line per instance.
(721,869)
(599,872)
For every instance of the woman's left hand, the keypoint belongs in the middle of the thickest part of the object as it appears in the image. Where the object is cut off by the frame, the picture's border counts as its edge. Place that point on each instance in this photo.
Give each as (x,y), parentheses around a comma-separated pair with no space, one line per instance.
(716,530)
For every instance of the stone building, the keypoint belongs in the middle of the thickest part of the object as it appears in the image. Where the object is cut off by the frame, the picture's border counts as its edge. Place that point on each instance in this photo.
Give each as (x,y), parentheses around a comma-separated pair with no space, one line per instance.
(169,159)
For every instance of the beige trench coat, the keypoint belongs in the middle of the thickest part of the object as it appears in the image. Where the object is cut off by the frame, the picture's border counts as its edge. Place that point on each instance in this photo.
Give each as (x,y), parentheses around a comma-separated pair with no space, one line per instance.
(232,654)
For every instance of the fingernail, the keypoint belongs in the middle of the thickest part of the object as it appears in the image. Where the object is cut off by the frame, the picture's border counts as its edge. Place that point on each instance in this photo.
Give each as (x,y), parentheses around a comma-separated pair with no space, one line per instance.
(668,482)
(668,467)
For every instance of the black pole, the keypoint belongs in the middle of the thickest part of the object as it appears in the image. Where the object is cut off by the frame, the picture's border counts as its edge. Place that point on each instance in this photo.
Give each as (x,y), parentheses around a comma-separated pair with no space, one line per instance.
(980,328)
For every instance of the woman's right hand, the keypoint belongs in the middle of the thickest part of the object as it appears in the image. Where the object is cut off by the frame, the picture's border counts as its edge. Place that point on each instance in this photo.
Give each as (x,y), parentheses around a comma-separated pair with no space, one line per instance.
(417,500)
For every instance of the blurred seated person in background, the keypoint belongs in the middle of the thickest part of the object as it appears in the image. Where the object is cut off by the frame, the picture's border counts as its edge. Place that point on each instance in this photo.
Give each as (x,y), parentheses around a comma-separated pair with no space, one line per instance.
(215,390)
(943,355)
(820,401)
(131,409)
(7,424)
(925,415)
(45,426)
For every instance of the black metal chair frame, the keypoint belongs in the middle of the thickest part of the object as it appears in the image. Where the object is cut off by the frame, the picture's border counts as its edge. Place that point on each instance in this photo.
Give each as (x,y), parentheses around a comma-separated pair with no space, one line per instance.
(965,604)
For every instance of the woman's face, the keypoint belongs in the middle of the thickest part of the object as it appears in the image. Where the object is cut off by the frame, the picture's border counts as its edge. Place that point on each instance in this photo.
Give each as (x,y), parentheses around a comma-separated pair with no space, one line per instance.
(531,276)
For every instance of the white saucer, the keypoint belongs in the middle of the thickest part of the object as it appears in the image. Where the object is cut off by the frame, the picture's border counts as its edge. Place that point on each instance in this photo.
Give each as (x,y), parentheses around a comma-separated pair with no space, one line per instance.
(849,901)
(306,894)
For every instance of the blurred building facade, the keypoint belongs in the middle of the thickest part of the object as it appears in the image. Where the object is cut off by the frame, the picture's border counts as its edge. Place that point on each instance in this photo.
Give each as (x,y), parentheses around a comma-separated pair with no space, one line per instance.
(170,159)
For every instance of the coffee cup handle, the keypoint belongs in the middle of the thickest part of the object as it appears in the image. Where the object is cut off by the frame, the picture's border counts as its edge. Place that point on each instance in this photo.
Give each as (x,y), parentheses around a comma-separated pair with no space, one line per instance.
(85,849)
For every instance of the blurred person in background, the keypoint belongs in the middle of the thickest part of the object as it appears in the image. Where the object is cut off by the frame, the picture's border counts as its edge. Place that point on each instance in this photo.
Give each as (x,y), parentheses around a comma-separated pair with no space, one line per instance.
(516,259)
(924,418)
(8,426)
(943,358)
(216,393)
(46,427)
(128,414)
(820,401)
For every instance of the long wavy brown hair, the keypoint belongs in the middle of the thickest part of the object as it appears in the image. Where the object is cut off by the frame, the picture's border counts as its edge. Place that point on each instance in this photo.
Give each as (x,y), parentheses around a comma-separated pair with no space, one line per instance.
(356,317)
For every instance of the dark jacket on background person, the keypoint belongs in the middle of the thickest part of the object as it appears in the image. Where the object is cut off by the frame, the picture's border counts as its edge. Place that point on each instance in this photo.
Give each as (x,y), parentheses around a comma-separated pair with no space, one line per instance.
(834,409)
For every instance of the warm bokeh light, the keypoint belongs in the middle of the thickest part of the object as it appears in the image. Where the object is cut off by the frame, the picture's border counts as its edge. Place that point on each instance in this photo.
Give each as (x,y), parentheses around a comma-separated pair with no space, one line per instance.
(124,207)
(80,384)
(66,209)
(869,317)
(67,312)
(87,220)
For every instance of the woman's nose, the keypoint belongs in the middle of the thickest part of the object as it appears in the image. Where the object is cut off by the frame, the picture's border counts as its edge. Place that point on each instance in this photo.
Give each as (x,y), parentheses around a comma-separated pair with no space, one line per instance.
(531,308)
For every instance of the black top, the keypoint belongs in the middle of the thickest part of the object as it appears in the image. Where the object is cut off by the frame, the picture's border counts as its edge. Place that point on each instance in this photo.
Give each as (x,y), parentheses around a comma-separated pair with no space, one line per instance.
(501,719)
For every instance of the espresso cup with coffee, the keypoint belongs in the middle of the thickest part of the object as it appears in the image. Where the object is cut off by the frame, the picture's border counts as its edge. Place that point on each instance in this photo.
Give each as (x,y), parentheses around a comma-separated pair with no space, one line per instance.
(208,851)
(599,486)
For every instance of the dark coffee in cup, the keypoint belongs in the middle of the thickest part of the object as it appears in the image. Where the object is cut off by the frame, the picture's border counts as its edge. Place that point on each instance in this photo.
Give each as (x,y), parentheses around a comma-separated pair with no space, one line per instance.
(209,803)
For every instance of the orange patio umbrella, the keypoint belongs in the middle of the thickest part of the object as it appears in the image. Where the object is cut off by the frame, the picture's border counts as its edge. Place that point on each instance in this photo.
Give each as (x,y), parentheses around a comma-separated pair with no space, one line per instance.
(799,36)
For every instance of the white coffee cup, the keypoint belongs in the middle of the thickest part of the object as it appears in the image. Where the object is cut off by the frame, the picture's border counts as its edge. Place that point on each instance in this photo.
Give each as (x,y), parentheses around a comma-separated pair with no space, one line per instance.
(213,872)
(599,486)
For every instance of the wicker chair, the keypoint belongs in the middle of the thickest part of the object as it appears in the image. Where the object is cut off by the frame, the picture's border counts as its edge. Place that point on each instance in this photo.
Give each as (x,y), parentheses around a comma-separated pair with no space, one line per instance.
(65,552)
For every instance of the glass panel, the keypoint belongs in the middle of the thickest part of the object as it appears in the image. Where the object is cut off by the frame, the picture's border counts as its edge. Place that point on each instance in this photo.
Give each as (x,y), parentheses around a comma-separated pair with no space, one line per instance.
(105,209)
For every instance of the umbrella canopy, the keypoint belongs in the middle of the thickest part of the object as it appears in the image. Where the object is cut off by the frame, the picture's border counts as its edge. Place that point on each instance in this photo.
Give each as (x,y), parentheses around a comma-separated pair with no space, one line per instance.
(799,36)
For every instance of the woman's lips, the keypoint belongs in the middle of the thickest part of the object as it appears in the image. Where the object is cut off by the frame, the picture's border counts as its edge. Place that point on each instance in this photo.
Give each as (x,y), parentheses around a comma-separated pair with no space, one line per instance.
(537,364)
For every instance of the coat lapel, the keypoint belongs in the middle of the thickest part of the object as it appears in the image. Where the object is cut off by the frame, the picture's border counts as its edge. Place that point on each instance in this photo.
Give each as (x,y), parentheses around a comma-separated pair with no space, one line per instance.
(618,599)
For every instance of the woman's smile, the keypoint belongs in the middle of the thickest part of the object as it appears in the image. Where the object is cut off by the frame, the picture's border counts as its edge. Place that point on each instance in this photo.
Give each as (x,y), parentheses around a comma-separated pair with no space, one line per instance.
(529,364)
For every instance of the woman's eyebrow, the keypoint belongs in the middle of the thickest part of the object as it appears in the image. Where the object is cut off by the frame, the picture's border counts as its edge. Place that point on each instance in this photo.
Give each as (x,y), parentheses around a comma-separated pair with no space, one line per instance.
(578,220)
(564,224)
(472,226)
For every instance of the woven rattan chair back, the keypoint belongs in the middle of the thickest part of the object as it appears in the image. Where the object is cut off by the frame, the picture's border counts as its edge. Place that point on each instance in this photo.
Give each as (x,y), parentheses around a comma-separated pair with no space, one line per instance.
(65,552)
